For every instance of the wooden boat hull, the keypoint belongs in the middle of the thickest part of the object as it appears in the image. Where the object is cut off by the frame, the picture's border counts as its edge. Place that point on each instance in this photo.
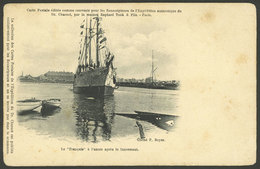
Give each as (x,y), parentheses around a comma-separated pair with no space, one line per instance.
(27,106)
(163,121)
(50,104)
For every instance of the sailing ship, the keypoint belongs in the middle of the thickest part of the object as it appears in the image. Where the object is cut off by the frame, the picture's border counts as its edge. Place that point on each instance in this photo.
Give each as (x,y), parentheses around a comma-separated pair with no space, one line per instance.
(157,85)
(95,74)
(151,82)
(152,72)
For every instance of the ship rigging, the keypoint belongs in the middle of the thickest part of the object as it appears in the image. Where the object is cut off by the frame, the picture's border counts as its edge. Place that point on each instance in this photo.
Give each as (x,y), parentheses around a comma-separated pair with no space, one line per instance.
(95,74)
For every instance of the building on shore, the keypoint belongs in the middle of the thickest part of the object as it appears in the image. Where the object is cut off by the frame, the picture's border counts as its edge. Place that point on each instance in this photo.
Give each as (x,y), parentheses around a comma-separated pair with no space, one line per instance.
(27,78)
(148,80)
(59,76)
(49,77)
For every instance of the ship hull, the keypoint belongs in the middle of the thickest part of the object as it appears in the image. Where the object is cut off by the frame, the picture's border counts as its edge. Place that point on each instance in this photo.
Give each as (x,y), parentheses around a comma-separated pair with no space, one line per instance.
(94,90)
(97,82)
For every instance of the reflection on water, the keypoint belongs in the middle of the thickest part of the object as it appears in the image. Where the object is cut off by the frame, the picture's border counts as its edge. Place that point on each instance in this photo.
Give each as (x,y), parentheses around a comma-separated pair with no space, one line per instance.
(50,112)
(43,112)
(94,117)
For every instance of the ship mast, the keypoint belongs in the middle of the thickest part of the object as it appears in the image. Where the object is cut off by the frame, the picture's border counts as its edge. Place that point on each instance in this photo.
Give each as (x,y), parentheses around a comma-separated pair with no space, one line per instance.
(90,34)
(86,42)
(97,54)
(152,66)
(153,70)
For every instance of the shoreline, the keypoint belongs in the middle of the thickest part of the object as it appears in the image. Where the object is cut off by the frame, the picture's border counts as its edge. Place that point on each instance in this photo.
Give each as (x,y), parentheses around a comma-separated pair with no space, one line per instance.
(123,84)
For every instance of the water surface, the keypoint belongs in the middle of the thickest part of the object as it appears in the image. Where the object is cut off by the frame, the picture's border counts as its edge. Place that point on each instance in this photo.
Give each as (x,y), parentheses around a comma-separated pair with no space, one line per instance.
(92,119)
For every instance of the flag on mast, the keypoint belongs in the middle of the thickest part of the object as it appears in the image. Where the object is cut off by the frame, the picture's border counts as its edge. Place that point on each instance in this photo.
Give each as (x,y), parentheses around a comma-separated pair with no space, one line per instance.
(103,40)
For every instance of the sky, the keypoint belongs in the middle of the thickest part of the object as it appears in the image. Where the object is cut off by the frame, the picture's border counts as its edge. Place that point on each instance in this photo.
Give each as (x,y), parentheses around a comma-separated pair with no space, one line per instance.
(52,44)
(195,39)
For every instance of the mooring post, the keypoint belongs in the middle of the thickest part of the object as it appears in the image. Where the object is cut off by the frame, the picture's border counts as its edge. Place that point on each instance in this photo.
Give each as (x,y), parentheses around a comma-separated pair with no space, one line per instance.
(141,131)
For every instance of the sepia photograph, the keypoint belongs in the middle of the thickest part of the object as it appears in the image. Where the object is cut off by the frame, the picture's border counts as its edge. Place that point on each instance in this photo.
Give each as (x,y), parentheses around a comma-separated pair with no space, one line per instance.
(104,92)
(129,84)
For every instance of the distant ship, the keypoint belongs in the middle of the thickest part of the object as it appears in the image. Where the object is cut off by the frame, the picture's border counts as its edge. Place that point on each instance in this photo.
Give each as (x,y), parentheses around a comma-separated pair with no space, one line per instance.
(95,74)
(151,82)
(155,85)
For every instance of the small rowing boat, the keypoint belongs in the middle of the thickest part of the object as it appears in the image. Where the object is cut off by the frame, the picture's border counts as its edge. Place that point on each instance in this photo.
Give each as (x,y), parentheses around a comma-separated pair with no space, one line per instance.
(51,103)
(28,105)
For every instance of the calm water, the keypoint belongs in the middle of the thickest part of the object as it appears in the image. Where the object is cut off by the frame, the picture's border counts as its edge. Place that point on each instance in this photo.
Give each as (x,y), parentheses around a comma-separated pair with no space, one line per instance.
(92,119)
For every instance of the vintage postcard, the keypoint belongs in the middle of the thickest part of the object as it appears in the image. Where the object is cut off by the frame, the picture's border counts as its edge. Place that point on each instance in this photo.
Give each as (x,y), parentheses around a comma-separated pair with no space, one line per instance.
(129,84)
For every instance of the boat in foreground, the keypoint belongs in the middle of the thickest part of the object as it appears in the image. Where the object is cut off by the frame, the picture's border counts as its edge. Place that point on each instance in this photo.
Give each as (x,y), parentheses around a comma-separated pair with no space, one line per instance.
(163,121)
(28,105)
(51,103)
